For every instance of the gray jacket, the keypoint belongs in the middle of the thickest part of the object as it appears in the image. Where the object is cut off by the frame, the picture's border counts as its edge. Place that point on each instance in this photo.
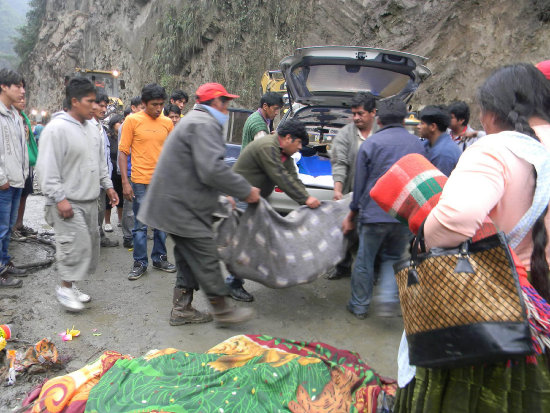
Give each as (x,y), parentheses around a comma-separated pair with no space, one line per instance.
(189,176)
(343,155)
(71,163)
(14,155)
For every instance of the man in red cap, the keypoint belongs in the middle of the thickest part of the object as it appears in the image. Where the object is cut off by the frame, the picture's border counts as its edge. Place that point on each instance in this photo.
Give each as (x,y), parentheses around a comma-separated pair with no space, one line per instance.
(182,197)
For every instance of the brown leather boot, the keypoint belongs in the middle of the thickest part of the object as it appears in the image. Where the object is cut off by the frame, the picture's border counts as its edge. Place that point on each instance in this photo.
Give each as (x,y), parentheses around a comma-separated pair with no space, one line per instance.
(225,315)
(183,312)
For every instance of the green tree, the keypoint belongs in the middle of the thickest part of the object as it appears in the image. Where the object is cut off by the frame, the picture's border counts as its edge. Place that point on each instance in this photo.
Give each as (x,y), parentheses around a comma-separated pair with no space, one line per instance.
(28,34)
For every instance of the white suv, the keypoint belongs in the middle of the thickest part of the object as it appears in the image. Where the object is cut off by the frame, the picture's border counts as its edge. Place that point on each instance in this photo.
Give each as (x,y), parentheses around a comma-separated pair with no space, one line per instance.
(321,82)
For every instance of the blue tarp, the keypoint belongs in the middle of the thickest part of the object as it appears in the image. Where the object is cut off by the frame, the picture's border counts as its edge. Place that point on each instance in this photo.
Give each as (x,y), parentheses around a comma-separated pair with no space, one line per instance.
(314,166)
(232,152)
(309,165)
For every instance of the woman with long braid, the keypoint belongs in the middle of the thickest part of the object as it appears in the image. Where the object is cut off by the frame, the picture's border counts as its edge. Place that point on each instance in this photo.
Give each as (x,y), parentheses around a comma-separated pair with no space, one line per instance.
(495,178)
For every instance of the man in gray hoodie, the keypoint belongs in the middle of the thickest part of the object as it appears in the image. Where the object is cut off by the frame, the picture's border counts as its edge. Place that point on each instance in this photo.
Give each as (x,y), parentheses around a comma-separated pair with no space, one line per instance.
(14,165)
(72,168)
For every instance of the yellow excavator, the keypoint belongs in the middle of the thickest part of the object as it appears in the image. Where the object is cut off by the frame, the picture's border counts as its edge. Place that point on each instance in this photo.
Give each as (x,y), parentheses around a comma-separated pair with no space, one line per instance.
(105,81)
(273,81)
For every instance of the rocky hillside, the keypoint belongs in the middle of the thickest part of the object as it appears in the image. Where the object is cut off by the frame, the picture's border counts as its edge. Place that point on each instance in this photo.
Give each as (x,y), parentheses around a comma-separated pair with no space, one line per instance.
(185,43)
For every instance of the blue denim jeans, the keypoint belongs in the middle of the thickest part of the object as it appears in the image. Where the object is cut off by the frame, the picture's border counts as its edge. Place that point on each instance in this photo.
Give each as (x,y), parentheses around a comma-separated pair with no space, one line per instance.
(139,233)
(9,205)
(390,243)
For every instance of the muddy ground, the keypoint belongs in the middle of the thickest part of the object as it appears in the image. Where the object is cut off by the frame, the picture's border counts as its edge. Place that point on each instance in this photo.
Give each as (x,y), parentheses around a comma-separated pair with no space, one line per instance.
(132,316)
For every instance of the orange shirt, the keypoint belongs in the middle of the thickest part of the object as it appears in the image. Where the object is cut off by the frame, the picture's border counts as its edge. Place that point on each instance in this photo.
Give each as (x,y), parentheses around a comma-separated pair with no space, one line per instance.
(143,137)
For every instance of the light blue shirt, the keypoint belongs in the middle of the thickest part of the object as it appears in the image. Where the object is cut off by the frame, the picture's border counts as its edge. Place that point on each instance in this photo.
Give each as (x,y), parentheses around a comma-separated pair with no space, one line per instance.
(222,118)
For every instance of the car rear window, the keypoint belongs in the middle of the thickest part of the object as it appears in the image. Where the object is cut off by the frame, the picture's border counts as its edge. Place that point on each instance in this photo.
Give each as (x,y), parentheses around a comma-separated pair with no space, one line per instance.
(323,79)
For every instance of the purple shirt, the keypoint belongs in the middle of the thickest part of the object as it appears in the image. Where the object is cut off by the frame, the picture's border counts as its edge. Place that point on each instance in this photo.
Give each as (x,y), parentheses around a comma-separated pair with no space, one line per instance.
(268,122)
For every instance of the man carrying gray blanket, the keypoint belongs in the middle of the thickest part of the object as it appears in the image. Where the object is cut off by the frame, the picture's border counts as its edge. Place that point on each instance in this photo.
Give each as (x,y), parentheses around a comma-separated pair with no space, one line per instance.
(267,163)
(189,177)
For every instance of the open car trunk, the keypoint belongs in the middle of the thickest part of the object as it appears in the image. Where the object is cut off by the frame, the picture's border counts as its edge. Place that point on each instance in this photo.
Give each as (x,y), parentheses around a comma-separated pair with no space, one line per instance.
(331,75)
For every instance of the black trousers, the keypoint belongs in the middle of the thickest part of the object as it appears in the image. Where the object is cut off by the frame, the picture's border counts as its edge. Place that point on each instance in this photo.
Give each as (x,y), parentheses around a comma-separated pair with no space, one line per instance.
(117,186)
(198,265)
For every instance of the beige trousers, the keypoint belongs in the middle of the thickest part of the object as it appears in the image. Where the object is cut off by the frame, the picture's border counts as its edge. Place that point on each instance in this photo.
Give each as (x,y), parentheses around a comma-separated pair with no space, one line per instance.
(76,240)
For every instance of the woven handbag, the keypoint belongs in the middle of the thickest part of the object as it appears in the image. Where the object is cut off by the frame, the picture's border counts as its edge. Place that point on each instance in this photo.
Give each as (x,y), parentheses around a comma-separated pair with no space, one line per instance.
(462,306)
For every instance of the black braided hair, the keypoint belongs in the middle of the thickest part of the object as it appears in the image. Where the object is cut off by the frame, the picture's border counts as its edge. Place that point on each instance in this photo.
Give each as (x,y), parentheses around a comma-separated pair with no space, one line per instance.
(514,94)
(519,121)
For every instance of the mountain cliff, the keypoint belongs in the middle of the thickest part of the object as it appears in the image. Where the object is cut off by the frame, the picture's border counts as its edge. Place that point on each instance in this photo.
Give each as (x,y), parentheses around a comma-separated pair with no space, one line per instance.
(185,43)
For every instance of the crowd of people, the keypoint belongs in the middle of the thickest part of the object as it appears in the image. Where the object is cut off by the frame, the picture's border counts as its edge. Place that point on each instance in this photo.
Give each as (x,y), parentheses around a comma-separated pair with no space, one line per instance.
(86,167)
(362,152)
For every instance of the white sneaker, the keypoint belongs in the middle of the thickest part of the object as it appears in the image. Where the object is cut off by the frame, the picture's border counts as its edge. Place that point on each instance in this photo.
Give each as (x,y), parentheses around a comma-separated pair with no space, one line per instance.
(108,228)
(83,298)
(68,299)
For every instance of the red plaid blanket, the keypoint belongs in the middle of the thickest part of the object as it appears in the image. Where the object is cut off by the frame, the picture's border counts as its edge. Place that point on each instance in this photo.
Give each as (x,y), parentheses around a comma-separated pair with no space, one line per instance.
(409,190)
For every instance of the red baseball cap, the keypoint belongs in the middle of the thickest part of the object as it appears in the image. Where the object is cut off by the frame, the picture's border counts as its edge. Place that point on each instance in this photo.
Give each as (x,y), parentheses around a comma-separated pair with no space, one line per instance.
(212,90)
(544,67)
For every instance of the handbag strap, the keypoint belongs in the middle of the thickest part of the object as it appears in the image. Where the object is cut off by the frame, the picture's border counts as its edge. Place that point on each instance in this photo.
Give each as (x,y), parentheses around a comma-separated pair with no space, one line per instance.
(532,151)
(419,244)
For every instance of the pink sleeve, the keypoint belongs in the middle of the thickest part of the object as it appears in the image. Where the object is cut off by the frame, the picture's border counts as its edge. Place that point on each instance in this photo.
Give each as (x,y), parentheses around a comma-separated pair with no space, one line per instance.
(472,191)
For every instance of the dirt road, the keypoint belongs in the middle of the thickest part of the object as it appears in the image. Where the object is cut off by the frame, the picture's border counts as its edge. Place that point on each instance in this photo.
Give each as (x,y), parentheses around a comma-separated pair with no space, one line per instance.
(132,316)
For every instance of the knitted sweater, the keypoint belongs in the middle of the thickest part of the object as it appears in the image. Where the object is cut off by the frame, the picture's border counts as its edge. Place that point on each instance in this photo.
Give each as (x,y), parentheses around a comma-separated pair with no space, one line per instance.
(254,124)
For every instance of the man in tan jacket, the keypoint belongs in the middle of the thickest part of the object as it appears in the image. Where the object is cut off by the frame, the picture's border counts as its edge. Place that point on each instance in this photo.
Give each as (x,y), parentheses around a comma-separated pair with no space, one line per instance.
(343,156)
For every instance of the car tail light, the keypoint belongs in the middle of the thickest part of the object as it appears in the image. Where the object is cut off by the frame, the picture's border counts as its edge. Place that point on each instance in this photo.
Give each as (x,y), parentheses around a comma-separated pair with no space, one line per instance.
(277,189)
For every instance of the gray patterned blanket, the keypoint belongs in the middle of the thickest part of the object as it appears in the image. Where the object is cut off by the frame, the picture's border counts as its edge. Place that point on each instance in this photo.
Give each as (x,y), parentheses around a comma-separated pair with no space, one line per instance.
(279,252)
